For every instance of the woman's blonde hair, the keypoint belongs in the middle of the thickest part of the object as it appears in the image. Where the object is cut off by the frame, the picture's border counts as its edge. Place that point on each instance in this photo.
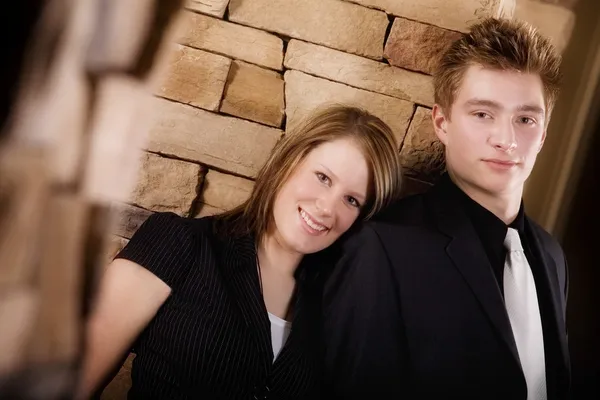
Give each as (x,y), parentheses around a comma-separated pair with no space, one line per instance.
(374,138)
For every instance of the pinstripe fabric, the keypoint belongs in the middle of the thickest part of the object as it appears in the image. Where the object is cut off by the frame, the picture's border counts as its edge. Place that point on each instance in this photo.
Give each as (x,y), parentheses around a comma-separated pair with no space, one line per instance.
(211,338)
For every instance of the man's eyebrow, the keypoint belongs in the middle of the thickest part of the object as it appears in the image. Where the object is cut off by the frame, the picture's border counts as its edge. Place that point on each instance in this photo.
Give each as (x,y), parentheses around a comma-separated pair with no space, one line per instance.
(483,102)
(531,108)
(495,105)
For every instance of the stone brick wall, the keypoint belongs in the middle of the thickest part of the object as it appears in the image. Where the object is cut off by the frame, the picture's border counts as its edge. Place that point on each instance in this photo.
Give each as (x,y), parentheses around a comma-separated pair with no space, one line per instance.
(243,72)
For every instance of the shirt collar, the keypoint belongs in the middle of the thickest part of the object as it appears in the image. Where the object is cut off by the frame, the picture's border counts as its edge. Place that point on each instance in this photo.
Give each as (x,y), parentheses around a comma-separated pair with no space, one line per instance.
(490,229)
(481,214)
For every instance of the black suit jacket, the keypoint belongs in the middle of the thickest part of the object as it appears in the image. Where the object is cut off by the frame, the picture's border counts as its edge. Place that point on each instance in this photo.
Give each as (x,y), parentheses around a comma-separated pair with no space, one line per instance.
(412,310)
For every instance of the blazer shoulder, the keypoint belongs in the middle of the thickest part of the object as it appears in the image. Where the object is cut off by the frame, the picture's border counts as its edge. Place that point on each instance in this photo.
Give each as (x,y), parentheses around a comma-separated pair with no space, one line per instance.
(185,226)
(360,237)
(203,227)
(410,210)
(548,241)
(166,245)
(161,227)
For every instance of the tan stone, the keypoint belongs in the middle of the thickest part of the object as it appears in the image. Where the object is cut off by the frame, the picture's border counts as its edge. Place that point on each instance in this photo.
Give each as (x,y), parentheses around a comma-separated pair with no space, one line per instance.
(232,40)
(422,154)
(166,185)
(196,77)
(119,124)
(305,93)
(211,7)
(224,142)
(457,15)
(207,210)
(553,21)
(332,23)
(129,219)
(225,191)
(254,93)
(117,389)
(359,72)
(416,46)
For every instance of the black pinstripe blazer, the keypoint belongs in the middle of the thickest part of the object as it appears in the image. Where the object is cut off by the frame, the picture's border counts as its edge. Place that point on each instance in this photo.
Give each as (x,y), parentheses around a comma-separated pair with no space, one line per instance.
(211,338)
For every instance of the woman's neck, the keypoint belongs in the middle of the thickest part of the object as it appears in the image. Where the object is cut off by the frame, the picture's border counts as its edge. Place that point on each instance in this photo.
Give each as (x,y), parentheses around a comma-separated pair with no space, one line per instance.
(276,258)
(277,266)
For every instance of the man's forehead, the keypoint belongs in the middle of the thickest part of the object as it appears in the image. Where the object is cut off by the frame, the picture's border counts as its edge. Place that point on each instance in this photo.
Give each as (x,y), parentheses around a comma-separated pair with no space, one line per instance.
(496,87)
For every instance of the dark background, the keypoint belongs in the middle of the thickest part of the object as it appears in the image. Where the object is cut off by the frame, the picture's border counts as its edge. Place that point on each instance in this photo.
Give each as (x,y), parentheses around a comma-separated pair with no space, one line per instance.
(582,249)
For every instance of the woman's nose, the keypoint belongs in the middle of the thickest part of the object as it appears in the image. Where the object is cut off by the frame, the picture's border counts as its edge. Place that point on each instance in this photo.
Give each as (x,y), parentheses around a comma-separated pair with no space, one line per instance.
(325,205)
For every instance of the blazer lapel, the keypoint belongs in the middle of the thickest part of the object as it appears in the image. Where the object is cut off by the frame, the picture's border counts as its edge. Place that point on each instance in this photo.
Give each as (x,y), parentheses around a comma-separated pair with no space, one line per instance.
(468,256)
(301,348)
(549,278)
(291,350)
(241,275)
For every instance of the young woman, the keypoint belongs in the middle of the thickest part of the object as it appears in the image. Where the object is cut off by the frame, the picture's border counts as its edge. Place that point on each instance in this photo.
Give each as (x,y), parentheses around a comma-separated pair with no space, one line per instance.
(226,307)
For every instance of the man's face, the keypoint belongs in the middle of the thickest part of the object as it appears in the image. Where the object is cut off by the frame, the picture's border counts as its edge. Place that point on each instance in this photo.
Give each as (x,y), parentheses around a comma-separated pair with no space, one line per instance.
(495,130)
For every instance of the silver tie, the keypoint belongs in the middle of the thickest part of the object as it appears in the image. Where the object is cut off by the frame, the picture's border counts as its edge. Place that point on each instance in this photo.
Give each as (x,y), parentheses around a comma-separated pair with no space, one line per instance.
(521,302)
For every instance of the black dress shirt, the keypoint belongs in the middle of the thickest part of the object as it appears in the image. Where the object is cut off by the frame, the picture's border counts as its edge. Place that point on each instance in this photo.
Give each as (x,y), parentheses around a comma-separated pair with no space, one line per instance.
(211,339)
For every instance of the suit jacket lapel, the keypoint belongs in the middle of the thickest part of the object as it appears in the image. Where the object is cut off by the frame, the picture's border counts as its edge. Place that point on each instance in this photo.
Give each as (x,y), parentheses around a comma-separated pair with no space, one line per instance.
(468,256)
(241,275)
(301,350)
(291,351)
(549,278)
(303,310)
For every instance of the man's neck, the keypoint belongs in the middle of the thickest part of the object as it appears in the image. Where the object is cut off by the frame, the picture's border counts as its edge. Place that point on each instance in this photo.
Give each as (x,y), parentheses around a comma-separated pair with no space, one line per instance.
(504,206)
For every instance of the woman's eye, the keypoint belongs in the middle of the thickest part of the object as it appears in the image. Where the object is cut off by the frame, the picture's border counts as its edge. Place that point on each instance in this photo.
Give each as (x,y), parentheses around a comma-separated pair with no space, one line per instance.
(352,201)
(322,177)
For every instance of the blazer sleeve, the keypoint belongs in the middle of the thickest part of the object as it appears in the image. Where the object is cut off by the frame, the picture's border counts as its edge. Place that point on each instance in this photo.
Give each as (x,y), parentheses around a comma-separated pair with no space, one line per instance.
(163,245)
(566,295)
(362,329)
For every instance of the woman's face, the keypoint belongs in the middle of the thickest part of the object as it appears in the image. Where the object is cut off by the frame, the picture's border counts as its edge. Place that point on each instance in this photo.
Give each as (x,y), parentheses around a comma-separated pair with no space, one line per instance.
(322,198)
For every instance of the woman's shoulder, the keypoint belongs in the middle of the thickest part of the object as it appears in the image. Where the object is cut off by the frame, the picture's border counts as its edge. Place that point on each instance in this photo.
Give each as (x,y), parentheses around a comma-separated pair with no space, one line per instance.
(168,245)
(166,236)
(167,223)
(194,233)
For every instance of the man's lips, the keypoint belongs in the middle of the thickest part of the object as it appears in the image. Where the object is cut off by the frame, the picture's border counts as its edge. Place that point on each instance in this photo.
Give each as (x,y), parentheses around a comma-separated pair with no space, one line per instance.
(500,165)
(507,163)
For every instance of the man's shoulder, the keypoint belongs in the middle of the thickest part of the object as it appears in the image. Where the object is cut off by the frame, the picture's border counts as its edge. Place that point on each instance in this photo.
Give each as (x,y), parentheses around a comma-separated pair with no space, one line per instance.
(547,240)
(410,209)
(403,216)
(409,214)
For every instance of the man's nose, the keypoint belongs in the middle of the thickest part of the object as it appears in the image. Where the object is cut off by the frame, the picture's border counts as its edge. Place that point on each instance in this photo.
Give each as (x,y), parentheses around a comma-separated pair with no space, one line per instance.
(504,137)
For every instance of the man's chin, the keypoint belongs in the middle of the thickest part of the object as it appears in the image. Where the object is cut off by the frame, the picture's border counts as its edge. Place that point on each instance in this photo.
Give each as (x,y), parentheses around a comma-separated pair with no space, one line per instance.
(500,186)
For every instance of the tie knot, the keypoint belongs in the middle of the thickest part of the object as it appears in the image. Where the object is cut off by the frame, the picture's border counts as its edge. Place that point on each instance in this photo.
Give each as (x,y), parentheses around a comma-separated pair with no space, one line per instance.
(512,242)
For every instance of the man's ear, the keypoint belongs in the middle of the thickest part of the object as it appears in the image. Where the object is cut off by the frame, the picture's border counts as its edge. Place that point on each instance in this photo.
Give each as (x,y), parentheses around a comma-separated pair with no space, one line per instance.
(542,141)
(440,123)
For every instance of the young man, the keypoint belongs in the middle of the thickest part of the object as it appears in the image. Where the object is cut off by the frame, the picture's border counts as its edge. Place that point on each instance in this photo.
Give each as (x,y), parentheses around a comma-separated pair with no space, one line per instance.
(456,293)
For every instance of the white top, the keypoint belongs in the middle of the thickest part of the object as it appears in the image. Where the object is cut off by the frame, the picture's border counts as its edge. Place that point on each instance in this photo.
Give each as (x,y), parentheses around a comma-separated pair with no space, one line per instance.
(280,330)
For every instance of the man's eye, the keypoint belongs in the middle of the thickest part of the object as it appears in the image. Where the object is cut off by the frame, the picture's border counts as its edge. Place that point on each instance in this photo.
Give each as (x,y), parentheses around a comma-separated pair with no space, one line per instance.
(527,120)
